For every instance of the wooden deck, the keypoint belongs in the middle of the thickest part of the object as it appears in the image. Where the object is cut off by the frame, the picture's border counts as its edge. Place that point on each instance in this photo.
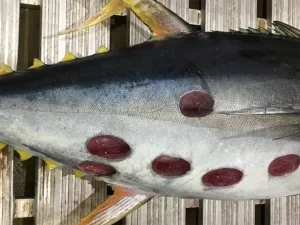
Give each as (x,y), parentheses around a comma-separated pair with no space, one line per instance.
(62,199)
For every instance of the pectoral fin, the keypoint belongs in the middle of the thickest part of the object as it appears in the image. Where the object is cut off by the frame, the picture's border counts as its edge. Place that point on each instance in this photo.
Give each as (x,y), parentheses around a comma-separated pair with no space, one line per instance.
(160,20)
(116,207)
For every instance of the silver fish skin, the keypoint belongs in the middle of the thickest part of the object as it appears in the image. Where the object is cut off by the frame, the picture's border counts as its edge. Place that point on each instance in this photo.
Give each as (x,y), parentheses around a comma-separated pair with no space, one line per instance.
(134,94)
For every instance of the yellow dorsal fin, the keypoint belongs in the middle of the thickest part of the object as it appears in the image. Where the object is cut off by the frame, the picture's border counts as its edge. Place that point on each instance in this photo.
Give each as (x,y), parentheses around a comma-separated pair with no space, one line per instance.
(110,9)
(68,56)
(5,69)
(102,49)
(50,164)
(23,155)
(2,146)
(157,17)
(78,173)
(36,63)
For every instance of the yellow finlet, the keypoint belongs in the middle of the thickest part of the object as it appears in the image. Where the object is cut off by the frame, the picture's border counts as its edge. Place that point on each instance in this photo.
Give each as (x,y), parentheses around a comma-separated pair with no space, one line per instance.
(36,63)
(50,165)
(102,49)
(23,155)
(2,146)
(78,174)
(5,69)
(68,56)
(98,179)
(110,9)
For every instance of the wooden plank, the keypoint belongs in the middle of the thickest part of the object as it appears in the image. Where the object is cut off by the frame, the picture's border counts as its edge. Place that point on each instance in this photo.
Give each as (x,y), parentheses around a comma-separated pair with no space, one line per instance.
(9,27)
(194,16)
(24,208)
(31,2)
(285,210)
(287,11)
(6,186)
(9,36)
(139,33)
(159,211)
(230,14)
(228,212)
(62,198)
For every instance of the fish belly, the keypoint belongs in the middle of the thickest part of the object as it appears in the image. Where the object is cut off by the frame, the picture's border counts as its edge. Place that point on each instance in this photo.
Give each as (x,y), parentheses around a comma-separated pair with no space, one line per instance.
(210,153)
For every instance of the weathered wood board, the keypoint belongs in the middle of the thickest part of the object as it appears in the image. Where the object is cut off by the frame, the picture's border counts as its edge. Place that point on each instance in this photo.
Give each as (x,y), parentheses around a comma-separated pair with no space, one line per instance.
(228,212)
(230,14)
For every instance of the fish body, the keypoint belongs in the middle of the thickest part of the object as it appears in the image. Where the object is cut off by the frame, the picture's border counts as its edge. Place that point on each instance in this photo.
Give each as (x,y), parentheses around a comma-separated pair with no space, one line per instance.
(188,114)
(134,94)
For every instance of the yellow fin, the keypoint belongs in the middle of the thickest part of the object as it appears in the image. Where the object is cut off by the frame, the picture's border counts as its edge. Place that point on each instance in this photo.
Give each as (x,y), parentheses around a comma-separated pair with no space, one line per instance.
(158,18)
(50,164)
(98,178)
(110,9)
(36,63)
(23,155)
(2,146)
(78,173)
(102,49)
(116,207)
(5,69)
(68,56)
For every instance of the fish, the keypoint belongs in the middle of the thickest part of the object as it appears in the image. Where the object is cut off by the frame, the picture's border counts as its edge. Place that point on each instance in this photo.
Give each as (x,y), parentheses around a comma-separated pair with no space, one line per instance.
(187,113)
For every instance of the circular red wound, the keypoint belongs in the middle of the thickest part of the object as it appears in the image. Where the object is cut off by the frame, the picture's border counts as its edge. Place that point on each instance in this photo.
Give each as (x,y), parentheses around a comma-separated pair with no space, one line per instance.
(97,168)
(108,146)
(284,165)
(222,177)
(196,104)
(170,166)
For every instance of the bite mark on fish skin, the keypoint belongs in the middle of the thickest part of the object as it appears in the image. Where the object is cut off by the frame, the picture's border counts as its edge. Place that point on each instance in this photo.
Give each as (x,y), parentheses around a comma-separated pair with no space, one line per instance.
(170,166)
(284,165)
(222,177)
(196,104)
(97,168)
(108,146)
